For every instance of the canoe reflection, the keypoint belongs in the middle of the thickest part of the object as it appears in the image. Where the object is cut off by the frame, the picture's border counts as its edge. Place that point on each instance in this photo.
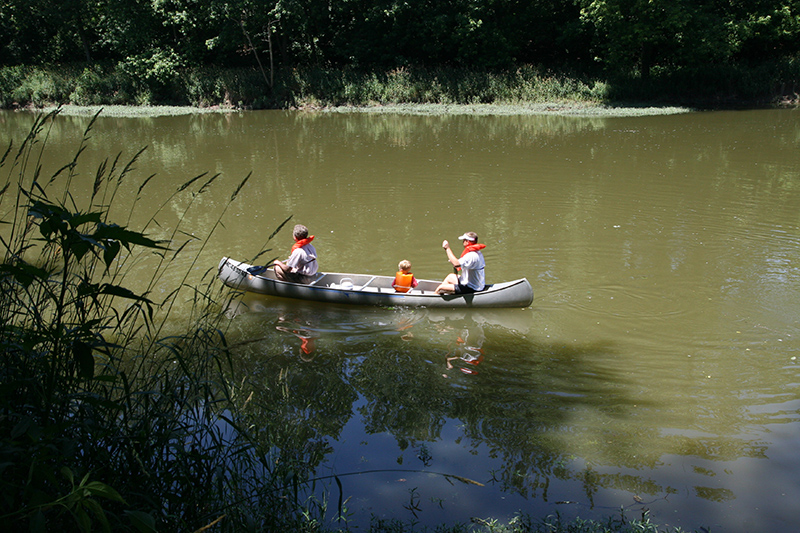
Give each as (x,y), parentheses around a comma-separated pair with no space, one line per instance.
(310,324)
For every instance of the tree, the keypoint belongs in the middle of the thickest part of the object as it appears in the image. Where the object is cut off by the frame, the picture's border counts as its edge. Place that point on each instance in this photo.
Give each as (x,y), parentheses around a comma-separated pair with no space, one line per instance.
(638,35)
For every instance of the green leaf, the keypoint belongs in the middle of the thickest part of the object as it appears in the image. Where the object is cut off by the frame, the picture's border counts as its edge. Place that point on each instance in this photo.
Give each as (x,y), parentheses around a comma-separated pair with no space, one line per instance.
(67,473)
(86,218)
(113,232)
(97,488)
(84,360)
(110,252)
(83,519)
(97,511)
(24,273)
(122,292)
(22,427)
(143,522)
(38,522)
(79,248)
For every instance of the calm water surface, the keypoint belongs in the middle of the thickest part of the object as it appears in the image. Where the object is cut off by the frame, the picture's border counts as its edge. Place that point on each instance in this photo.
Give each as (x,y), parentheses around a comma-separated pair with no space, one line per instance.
(656,368)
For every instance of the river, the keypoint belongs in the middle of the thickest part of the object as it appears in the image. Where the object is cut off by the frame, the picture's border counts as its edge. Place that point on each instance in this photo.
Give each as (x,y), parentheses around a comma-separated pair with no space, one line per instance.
(656,368)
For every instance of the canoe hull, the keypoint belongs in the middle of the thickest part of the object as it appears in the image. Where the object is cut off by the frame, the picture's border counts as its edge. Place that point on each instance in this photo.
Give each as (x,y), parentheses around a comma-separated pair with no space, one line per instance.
(369,290)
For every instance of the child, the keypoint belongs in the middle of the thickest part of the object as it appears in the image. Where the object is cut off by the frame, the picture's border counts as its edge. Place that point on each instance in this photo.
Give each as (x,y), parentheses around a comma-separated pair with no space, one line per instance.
(404,280)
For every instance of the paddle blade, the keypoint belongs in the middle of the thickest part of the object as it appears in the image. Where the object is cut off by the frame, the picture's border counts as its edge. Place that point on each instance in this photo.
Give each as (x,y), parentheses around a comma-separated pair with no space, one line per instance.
(256,270)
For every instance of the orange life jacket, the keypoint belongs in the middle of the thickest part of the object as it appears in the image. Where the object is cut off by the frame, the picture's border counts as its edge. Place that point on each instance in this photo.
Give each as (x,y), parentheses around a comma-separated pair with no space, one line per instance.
(302,242)
(471,248)
(467,249)
(403,281)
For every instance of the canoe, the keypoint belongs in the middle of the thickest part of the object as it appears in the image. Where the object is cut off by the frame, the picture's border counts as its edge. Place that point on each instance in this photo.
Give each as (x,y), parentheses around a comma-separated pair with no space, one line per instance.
(365,289)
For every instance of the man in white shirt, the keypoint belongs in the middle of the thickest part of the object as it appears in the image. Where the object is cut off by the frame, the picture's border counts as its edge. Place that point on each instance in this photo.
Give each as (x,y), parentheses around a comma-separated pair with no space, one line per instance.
(301,267)
(472,277)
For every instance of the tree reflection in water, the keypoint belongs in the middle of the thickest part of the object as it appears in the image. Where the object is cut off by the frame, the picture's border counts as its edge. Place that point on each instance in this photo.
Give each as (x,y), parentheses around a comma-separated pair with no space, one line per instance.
(544,412)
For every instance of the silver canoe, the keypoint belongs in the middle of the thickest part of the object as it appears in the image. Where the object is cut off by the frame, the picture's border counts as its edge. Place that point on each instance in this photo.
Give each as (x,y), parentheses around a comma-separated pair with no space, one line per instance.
(364,289)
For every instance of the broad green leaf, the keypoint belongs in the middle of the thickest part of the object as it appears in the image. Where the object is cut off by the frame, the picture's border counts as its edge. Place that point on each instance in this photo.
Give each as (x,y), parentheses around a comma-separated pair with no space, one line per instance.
(143,522)
(85,218)
(97,488)
(124,236)
(67,473)
(38,522)
(24,273)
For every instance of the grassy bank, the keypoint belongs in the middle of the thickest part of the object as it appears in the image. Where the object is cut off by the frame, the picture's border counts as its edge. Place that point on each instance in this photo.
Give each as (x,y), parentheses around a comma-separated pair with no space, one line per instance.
(313,88)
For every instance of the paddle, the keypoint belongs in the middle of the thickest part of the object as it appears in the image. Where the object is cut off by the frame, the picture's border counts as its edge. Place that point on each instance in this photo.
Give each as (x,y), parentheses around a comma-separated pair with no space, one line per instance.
(257,270)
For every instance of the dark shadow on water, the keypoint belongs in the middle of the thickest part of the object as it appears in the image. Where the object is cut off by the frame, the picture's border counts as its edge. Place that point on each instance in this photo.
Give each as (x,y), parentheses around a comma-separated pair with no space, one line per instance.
(408,373)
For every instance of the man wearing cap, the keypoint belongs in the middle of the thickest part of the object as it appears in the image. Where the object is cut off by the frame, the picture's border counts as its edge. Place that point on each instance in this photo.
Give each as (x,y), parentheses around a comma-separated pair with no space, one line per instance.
(471,263)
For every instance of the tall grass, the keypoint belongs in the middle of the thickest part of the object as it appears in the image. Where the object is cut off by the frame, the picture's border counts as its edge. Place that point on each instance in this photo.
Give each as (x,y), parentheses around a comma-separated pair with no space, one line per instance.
(106,422)
(442,86)
(311,87)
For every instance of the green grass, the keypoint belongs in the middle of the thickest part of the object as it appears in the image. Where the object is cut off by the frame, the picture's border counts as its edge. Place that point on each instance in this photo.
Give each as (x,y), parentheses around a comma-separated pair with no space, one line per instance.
(524,523)
(316,88)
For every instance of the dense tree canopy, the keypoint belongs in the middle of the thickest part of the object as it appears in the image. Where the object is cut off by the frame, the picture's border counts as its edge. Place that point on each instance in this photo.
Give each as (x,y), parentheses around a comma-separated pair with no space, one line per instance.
(618,35)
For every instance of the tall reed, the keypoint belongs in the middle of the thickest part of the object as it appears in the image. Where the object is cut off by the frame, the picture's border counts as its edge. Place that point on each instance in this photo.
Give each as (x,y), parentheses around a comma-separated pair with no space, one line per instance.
(107,422)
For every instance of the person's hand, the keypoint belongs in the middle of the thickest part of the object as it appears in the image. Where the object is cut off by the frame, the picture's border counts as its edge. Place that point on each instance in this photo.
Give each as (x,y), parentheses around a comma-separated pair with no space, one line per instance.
(445,244)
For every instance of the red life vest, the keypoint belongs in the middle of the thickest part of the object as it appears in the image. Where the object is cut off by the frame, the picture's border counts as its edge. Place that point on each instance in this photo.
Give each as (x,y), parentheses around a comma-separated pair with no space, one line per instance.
(302,242)
(403,282)
(467,249)
(472,248)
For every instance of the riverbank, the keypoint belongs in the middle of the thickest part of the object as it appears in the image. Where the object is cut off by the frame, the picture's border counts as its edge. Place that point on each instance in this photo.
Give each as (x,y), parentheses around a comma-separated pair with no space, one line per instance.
(556,108)
(524,90)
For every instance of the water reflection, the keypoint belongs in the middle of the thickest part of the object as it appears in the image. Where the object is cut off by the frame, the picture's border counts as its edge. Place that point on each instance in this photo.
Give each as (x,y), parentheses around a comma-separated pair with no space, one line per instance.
(467,349)
(301,331)
(547,413)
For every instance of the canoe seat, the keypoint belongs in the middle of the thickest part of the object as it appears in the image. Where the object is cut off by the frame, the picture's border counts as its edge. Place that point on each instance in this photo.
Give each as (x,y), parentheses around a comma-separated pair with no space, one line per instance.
(319,277)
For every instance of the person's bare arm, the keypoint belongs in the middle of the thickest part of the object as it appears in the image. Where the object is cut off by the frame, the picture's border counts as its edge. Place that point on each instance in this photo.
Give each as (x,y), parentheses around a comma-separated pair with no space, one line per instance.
(450,255)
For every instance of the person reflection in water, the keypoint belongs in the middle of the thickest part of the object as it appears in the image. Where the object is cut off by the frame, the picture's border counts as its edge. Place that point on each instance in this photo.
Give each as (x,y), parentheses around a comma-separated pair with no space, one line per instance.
(467,352)
(301,267)
(307,344)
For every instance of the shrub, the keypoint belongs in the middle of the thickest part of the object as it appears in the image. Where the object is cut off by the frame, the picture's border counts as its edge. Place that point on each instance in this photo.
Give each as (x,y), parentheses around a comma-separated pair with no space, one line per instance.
(157,75)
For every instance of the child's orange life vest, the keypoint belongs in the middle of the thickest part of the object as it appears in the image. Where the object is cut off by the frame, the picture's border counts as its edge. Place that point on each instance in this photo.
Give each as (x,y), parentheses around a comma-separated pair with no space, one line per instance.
(403,281)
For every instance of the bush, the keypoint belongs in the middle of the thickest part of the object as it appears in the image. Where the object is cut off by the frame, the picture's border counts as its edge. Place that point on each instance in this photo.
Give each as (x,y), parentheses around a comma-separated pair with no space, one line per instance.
(98,85)
(157,77)
(39,87)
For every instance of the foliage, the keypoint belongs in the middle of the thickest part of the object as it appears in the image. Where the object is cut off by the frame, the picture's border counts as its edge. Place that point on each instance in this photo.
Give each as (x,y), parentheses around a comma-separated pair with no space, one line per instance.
(157,75)
(270,54)
(107,419)
(317,87)
(156,39)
